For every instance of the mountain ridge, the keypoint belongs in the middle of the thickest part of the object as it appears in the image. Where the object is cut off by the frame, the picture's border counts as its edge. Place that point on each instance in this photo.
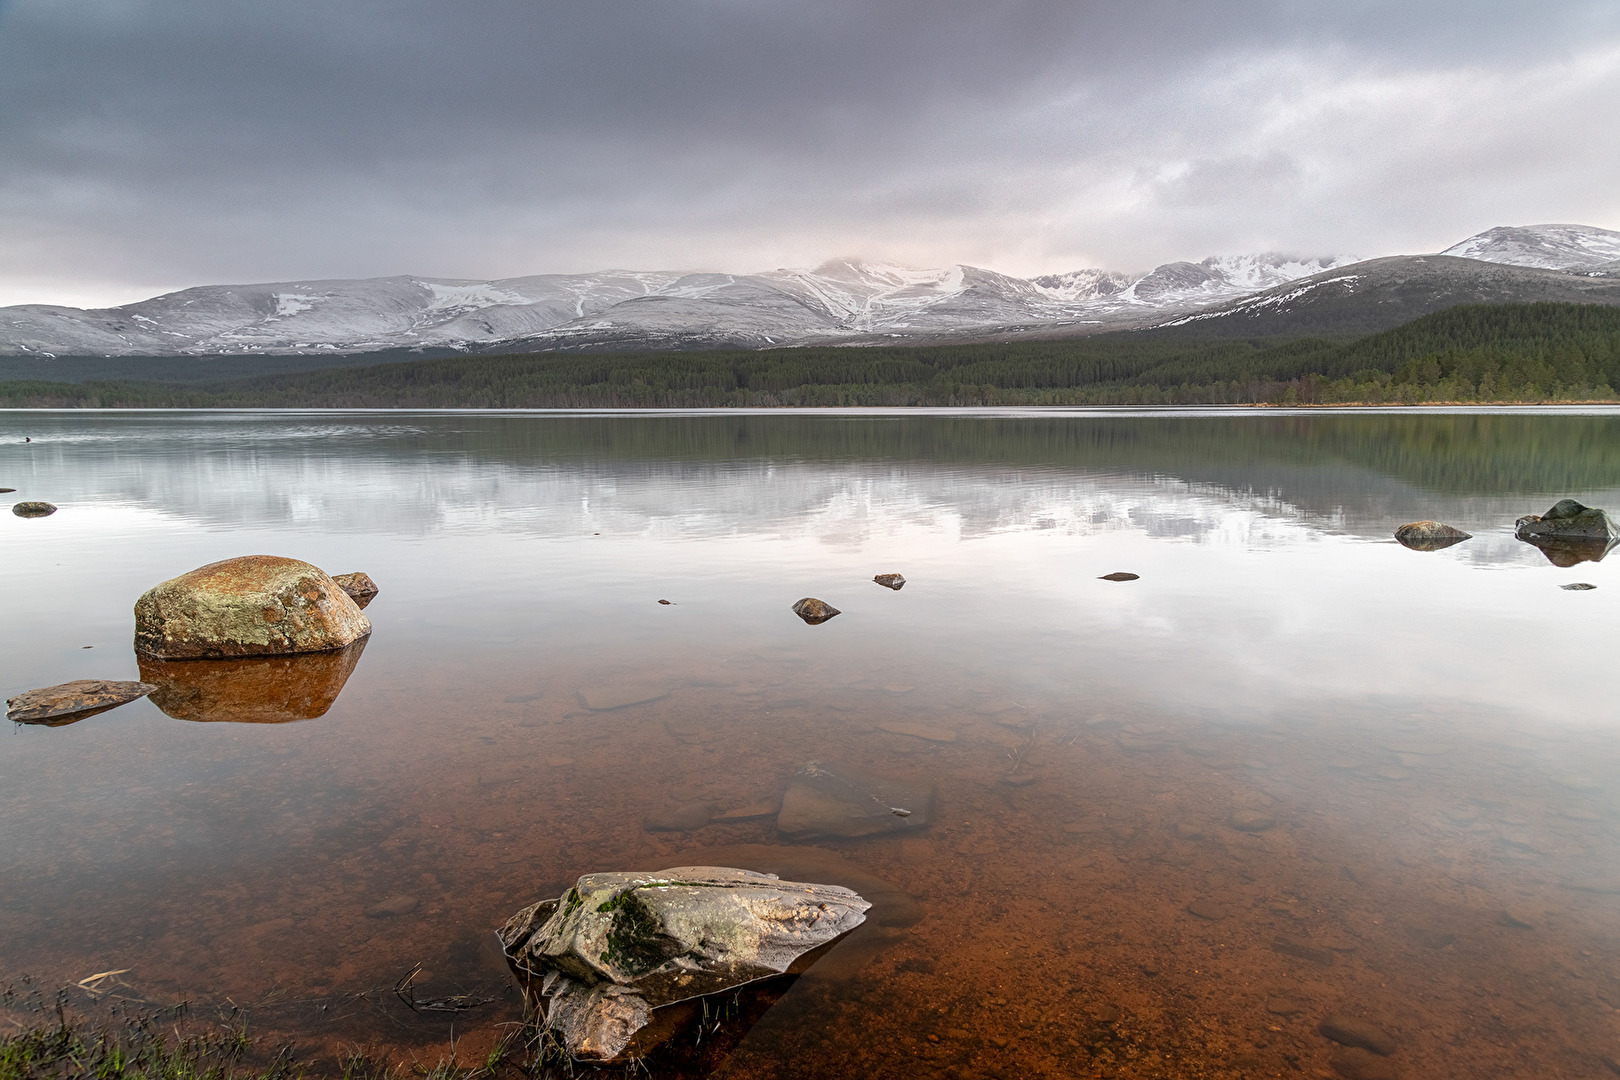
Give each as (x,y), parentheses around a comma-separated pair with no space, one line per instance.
(840,302)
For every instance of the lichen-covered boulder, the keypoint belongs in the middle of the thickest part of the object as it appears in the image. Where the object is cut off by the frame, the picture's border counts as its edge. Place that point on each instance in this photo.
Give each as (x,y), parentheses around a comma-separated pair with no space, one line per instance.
(55,706)
(361,589)
(814,611)
(619,945)
(1429,535)
(255,605)
(1567,520)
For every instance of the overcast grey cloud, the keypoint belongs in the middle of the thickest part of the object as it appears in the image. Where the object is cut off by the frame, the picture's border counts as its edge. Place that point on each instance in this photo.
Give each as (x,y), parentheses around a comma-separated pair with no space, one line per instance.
(153,144)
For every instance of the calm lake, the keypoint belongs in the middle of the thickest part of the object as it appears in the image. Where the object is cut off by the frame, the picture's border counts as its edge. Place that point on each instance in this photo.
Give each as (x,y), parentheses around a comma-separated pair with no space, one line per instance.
(1293,771)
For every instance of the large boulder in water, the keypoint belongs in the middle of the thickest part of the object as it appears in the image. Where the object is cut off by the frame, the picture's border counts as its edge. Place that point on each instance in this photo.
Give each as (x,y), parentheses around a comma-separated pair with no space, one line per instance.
(1567,520)
(1569,533)
(255,605)
(619,945)
(1429,535)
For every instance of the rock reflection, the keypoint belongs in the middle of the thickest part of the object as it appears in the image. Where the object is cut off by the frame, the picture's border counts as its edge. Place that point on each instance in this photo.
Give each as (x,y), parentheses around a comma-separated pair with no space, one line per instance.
(253,690)
(1571,551)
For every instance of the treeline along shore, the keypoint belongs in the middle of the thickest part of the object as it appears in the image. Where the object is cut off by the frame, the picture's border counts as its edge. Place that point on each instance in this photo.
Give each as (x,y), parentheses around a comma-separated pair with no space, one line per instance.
(1508,353)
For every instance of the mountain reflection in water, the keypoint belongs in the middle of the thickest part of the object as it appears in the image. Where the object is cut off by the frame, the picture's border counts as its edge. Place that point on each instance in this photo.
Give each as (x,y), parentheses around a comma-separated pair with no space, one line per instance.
(1292,772)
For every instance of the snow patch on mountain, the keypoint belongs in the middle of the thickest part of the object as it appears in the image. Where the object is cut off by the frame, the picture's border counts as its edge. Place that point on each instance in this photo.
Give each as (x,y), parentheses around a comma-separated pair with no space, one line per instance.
(1550,247)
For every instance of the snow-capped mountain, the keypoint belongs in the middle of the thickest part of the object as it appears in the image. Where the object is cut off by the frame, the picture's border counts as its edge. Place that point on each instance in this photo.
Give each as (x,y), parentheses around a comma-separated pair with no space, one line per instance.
(840,302)
(1550,247)
(844,301)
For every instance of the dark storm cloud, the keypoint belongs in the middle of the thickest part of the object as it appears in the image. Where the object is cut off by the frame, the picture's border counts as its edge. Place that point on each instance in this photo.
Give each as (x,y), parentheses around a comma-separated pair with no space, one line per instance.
(167,142)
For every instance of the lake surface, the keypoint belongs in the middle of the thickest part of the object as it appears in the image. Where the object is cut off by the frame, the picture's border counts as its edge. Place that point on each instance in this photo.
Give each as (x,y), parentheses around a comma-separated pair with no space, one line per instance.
(1294,770)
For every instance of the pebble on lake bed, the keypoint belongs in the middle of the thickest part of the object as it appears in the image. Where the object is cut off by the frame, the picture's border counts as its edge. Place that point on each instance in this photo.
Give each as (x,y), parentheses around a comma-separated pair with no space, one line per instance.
(1206,909)
(1250,821)
(1354,1031)
(33,509)
(391,907)
(814,611)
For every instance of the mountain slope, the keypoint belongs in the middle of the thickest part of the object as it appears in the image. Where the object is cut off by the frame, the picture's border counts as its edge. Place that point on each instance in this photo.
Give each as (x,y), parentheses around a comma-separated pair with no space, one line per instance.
(1379,294)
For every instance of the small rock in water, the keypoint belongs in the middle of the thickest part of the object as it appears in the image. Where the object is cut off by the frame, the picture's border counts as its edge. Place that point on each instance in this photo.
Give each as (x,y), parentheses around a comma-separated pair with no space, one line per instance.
(1429,535)
(891,581)
(361,589)
(1578,586)
(1206,909)
(1354,1063)
(1120,575)
(1282,1006)
(918,731)
(814,611)
(1250,821)
(59,705)
(1354,1031)
(682,817)
(828,801)
(618,946)
(1518,920)
(394,905)
(667,603)
(33,509)
(7,491)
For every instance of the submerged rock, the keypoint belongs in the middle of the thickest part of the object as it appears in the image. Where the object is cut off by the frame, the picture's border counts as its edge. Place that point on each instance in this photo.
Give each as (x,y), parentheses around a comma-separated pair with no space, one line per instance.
(619,945)
(1120,575)
(33,509)
(256,690)
(1353,1031)
(1429,535)
(828,801)
(891,581)
(814,611)
(255,605)
(361,589)
(59,705)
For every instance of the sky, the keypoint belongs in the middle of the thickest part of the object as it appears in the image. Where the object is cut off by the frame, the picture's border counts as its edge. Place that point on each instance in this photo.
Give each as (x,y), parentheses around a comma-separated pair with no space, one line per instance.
(149,145)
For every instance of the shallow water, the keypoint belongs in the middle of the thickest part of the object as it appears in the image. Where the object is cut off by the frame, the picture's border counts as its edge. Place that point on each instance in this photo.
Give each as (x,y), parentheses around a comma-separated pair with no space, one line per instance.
(1383,781)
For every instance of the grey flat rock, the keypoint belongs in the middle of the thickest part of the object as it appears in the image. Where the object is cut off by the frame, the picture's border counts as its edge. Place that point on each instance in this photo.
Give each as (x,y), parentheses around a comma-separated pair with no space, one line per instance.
(74,700)
(619,945)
